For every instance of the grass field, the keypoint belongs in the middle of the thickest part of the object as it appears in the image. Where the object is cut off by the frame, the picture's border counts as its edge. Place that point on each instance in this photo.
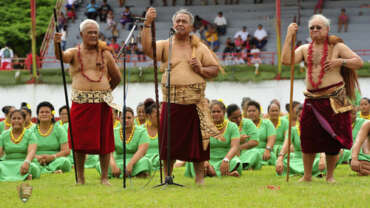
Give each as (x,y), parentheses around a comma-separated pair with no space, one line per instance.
(250,190)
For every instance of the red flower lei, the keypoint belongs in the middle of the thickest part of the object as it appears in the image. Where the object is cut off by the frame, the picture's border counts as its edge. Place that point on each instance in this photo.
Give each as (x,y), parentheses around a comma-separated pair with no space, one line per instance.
(322,63)
(82,66)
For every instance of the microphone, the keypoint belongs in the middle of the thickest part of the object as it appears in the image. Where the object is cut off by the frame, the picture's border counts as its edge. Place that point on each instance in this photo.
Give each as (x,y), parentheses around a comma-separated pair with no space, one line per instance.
(173,31)
(142,19)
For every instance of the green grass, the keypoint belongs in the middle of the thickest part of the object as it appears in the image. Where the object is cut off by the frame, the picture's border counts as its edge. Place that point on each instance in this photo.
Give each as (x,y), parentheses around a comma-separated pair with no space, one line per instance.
(236,73)
(250,190)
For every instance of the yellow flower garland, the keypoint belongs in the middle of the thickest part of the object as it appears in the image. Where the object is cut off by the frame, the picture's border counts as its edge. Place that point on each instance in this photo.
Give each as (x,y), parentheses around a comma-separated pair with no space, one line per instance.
(131,134)
(259,124)
(29,126)
(222,125)
(7,124)
(298,129)
(278,124)
(364,117)
(20,137)
(47,133)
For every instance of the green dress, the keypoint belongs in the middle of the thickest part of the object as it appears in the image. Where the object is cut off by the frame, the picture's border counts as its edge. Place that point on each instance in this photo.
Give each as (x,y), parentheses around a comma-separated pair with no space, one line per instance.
(139,137)
(137,123)
(346,155)
(281,129)
(363,156)
(265,129)
(218,151)
(2,126)
(153,152)
(15,156)
(251,158)
(51,145)
(296,157)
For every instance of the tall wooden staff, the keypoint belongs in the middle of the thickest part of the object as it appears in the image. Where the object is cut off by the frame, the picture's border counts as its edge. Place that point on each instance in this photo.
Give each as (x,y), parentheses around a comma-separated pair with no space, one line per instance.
(65,94)
(292,63)
(154,46)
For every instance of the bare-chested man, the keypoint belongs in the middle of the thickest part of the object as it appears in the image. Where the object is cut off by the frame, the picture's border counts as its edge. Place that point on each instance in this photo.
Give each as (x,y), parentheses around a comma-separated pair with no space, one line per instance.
(192,63)
(361,151)
(330,78)
(94,75)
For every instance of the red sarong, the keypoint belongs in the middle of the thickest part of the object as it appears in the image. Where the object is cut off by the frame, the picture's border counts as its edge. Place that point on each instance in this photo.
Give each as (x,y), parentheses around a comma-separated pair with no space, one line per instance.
(315,137)
(92,128)
(186,138)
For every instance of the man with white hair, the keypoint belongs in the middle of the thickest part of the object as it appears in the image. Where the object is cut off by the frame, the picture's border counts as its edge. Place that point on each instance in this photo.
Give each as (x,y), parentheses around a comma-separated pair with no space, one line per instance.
(191,64)
(94,75)
(331,80)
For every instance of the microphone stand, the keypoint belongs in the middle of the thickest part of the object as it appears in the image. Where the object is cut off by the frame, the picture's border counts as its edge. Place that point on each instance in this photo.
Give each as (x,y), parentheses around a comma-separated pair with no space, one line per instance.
(169,179)
(123,52)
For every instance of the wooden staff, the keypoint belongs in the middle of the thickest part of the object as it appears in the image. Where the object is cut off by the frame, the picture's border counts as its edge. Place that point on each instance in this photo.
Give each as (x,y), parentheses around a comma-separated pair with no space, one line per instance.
(292,64)
(66,94)
(154,46)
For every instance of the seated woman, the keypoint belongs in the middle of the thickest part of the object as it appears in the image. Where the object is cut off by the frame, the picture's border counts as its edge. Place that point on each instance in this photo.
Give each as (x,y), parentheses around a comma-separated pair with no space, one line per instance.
(5,125)
(151,127)
(20,148)
(140,118)
(137,145)
(364,108)
(249,157)
(223,160)
(281,126)
(360,162)
(296,159)
(266,132)
(26,108)
(52,141)
(345,154)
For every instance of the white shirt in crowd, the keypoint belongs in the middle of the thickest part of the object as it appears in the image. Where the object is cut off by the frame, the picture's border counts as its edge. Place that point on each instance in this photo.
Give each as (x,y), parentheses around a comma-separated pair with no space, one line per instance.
(255,50)
(3,55)
(219,21)
(260,34)
(242,34)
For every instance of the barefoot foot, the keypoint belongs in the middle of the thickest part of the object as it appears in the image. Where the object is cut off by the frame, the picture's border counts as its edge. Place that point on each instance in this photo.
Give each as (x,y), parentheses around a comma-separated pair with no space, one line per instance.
(330,180)
(105,182)
(304,179)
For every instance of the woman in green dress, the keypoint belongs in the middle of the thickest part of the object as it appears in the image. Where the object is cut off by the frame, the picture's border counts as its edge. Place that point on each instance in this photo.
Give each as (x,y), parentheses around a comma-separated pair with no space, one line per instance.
(137,145)
(361,151)
(5,125)
(281,125)
(140,118)
(151,127)
(365,108)
(249,156)
(296,104)
(20,148)
(63,116)
(296,158)
(266,132)
(26,108)
(223,154)
(345,154)
(52,141)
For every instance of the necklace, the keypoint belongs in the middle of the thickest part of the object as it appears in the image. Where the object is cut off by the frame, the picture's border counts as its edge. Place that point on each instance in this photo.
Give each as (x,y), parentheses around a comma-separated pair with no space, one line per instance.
(365,117)
(259,124)
(7,124)
(298,129)
(151,137)
(241,125)
(222,125)
(138,122)
(20,137)
(29,125)
(322,63)
(47,133)
(101,65)
(130,137)
(278,124)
